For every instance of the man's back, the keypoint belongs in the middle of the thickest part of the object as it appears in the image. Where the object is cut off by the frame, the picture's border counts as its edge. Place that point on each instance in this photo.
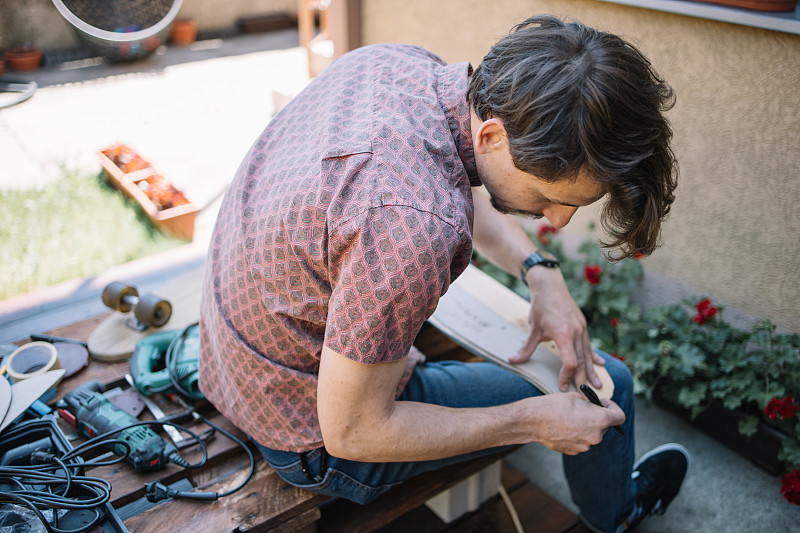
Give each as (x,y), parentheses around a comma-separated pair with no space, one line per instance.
(362,170)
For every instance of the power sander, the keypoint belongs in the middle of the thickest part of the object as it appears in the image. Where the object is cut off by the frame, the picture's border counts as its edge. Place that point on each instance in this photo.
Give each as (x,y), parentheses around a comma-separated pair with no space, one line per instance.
(166,362)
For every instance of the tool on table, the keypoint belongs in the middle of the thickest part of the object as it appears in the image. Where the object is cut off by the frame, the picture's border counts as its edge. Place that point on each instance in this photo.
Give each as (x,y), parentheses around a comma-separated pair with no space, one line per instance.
(93,414)
(167,362)
(72,353)
(31,359)
(180,440)
(158,413)
(590,394)
(129,400)
(53,339)
(27,362)
(25,393)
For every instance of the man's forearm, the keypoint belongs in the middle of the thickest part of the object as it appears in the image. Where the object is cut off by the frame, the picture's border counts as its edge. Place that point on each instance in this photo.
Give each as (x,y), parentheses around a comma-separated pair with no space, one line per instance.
(361,421)
(418,432)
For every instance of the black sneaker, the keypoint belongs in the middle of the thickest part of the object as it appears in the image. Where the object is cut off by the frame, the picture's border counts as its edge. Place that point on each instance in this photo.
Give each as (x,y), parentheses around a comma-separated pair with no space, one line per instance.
(658,476)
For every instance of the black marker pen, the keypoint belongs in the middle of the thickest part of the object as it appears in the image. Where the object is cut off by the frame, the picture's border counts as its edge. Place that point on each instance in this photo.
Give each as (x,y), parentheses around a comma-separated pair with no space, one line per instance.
(590,394)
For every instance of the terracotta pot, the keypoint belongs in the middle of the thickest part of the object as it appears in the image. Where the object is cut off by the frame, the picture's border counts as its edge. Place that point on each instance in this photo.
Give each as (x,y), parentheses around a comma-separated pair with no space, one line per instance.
(23,59)
(183,32)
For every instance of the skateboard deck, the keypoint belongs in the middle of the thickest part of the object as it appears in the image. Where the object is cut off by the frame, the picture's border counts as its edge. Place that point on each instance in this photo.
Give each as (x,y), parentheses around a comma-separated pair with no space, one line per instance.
(114,339)
(491,321)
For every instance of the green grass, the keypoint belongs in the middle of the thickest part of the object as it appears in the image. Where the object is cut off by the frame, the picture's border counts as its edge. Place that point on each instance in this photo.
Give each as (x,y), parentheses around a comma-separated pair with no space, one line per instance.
(73,228)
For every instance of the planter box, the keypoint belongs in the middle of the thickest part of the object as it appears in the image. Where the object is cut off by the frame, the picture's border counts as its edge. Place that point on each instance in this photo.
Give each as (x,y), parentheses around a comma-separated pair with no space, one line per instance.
(723,425)
(177,221)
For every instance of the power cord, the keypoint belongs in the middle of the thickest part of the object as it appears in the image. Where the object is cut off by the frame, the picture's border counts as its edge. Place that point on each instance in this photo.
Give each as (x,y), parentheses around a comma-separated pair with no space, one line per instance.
(156,491)
(172,359)
(50,484)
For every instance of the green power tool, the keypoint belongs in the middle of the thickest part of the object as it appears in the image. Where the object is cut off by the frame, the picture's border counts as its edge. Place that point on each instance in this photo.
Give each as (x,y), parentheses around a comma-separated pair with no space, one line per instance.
(93,414)
(166,362)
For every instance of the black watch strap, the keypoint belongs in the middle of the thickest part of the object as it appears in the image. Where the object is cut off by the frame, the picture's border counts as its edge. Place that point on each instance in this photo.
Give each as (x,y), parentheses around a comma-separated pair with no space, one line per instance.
(536,258)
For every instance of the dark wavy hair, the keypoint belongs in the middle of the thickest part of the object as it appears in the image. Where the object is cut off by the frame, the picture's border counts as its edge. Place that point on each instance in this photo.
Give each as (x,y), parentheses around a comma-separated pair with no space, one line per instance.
(574,99)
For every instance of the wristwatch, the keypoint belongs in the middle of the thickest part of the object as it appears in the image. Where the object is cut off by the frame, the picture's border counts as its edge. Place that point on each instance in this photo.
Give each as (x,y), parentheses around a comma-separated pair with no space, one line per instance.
(538,258)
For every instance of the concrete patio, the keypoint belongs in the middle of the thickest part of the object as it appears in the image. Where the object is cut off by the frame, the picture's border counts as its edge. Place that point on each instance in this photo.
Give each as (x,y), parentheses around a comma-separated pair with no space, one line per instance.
(193,112)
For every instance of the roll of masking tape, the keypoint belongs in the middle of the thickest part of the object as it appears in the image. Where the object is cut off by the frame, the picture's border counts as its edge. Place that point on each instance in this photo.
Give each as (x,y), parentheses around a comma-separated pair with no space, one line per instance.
(32,359)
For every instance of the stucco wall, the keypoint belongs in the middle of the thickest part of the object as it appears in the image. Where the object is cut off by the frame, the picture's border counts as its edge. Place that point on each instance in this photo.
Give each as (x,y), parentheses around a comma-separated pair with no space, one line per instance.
(734,231)
(216,14)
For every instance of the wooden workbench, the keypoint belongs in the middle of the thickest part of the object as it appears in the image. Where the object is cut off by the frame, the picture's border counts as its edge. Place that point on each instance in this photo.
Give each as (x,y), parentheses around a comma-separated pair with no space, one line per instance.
(267,503)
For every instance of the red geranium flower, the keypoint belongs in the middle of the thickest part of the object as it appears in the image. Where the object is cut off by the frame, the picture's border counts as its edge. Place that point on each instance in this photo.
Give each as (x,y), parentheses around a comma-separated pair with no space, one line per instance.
(704,311)
(593,274)
(791,487)
(544,229)
(614,322)
(638,255)
(781,408)
(620,357)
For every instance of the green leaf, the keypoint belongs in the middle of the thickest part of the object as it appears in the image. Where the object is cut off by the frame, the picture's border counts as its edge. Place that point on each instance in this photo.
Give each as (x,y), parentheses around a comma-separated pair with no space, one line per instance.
(689,358)
(748,426)
(692,394)
(790,453)
(581,293)
(731,401)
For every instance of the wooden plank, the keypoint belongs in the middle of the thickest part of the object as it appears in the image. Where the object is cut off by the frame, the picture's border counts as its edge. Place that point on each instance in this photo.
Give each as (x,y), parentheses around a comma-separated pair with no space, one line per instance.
(348,517)
(545,515)
(491,321)
(305,523)
(264,503)
(491,516)
(512,479)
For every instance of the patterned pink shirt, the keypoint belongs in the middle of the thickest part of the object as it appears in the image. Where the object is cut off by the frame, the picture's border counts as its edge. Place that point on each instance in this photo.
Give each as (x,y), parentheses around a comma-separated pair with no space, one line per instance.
(346,222)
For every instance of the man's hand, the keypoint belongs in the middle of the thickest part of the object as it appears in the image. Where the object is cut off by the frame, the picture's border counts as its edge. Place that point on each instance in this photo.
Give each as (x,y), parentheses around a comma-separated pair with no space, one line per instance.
(569,424)
(555,316)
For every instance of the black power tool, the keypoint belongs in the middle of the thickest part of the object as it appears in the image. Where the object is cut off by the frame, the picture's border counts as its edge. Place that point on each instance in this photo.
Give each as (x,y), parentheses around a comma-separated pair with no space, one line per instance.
(93,414)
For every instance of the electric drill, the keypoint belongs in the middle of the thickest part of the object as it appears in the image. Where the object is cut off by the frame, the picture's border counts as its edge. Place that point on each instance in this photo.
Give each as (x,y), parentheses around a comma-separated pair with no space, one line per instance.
(93,414)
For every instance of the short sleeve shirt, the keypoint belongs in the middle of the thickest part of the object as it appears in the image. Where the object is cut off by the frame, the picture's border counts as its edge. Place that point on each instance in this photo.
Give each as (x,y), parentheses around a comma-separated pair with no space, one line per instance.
(347,220)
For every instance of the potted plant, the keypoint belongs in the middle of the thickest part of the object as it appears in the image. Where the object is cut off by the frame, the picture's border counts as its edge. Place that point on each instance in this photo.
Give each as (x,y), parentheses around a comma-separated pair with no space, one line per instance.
(24,58)
(23,55)
(740,386)
(167,207)
(183,31)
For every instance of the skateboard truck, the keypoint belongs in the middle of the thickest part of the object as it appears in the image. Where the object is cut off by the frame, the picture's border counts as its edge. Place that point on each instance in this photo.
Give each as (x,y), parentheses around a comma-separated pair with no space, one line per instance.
(149,310)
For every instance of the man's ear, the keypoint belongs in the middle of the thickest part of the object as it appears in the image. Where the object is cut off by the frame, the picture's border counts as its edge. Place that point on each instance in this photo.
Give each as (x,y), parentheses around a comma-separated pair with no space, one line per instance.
(490,136)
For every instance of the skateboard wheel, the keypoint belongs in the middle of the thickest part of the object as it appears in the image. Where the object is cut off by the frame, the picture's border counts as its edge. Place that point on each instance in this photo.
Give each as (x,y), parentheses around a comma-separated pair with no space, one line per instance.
(120,297)
(152,310)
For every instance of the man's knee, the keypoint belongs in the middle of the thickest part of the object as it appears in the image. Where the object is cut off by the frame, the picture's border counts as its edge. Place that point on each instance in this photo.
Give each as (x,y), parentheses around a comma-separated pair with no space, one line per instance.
(620,375)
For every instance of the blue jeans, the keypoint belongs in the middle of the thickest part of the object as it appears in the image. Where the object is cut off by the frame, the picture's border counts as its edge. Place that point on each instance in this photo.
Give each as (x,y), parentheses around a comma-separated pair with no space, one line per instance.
(599,479)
